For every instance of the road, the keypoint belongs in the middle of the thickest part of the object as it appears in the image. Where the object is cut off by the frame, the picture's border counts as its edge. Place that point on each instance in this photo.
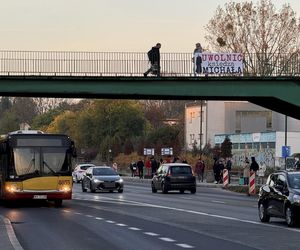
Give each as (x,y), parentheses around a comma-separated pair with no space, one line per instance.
(137,219)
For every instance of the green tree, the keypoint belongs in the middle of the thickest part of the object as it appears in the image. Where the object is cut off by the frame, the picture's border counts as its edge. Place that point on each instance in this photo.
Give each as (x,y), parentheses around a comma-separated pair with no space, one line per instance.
(9,123)
(226,148)
(167,136)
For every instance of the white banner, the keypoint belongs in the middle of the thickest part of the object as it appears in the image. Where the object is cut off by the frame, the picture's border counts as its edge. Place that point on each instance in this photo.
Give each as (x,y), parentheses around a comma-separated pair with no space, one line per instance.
(222,63)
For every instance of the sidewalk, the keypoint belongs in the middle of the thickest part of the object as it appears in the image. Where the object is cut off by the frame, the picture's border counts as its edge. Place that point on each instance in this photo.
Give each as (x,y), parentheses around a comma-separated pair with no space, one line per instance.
(8,240)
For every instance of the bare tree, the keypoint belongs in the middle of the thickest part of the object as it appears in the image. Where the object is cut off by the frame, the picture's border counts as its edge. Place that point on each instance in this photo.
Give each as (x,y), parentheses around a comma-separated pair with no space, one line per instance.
(269,39)
(46,104)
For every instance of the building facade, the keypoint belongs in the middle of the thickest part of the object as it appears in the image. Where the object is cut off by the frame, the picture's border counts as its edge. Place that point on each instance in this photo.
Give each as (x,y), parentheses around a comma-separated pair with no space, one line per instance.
(235,118)
(266,147)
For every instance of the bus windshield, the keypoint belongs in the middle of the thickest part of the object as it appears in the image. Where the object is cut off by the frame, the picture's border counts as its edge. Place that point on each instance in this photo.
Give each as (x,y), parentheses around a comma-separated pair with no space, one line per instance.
(40,160)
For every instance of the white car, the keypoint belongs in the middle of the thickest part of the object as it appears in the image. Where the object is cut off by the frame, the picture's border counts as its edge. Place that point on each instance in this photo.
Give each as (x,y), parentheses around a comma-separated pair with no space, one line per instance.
(79,170)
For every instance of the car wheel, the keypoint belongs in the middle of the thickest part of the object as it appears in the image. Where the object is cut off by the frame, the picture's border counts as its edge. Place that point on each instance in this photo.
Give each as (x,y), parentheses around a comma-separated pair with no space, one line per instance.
(193,190)
(82,187)
(93,190)
(163,188)
(262,212)
(181,191)
(111,191)
(120,190)
(290,217)
(154,190)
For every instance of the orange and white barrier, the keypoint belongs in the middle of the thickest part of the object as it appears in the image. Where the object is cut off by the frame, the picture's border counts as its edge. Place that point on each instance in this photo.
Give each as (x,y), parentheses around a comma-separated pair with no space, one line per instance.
(252,183)
(225,178)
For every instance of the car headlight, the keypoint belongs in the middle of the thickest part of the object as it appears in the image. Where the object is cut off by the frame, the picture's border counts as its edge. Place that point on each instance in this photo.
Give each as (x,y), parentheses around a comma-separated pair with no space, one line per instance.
(97,180)
(120,180)
(296,198)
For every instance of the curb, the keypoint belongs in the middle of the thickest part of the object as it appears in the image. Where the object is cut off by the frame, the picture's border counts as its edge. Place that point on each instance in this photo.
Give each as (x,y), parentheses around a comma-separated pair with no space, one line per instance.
(8,238)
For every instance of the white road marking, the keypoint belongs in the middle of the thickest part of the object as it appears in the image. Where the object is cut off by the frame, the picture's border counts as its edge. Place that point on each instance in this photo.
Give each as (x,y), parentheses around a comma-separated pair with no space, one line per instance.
(151,234)
(134,228)
(221,202)
(167,239)
(121,225)
(78,213)
(110,221)
(185,246)
(143,204)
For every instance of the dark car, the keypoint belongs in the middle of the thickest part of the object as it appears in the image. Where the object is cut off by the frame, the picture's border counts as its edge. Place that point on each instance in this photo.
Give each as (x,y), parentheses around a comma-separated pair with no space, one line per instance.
(280,197)
(102,178)
(174,176)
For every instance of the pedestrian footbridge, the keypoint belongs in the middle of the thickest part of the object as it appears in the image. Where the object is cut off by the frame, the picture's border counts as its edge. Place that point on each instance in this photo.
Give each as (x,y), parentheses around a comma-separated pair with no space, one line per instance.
(271,84)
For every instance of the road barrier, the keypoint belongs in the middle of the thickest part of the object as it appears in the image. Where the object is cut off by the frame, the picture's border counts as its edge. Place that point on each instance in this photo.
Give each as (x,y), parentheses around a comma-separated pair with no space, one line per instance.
(225,178)
(252,183)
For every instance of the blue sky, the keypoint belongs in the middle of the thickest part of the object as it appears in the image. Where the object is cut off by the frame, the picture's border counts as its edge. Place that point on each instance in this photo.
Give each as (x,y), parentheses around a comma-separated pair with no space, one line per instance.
(107,25)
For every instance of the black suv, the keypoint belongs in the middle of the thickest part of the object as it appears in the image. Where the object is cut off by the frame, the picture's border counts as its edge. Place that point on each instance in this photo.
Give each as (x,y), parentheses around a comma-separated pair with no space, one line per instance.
(280,197)
(174,176)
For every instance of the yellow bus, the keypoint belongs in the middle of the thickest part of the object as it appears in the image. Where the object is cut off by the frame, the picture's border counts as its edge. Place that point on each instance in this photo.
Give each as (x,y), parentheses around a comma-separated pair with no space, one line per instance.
(36,165)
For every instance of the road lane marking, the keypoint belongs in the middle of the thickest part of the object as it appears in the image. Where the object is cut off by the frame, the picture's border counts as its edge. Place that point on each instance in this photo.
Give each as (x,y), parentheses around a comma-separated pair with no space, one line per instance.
(78,213)
(151,234)
(110,221)
(134,228)
(221,202)
(167,239)
(143,204)
(185,246)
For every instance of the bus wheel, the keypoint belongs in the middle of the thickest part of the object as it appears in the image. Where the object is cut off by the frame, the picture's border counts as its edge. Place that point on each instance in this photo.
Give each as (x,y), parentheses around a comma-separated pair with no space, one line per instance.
(58,203)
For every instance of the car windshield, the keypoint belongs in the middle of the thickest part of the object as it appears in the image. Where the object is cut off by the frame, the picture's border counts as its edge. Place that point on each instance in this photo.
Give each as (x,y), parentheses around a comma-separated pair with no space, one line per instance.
(104,171)
(181,170)
(294,180)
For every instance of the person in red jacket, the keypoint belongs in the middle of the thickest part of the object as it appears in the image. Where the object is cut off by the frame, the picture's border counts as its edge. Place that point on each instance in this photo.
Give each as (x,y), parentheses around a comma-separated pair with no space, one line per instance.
(199,169)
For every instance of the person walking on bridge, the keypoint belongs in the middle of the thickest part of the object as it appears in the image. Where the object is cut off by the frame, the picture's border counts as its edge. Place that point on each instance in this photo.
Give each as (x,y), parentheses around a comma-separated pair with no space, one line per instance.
(197,59)
(154,58)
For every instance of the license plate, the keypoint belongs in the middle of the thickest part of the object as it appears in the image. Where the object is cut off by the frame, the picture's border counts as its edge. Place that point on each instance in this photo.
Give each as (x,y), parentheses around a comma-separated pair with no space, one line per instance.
(109,185)
(40,197)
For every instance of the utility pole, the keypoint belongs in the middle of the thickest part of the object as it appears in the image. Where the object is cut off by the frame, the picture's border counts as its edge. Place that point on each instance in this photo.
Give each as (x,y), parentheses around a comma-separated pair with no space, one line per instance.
(200,119)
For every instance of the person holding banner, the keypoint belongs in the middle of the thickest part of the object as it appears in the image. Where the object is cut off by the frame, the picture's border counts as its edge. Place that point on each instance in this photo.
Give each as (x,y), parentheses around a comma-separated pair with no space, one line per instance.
(197,59)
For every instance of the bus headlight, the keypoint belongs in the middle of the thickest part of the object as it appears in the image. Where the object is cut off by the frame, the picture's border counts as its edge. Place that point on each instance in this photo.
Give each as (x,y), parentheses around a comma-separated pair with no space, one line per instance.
(12,187)
(65,188)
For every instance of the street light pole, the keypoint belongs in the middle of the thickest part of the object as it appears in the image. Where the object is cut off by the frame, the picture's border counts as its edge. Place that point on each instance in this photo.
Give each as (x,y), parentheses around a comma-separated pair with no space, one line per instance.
(200,119)
(285,138)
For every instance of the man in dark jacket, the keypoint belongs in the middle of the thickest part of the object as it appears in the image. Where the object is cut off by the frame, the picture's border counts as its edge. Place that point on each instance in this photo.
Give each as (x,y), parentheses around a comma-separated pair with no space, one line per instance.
(154,58)
(254,165)
(140,166)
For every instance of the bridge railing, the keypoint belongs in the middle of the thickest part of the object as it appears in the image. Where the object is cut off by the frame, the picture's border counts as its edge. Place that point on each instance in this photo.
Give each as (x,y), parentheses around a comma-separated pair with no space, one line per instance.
(60,63)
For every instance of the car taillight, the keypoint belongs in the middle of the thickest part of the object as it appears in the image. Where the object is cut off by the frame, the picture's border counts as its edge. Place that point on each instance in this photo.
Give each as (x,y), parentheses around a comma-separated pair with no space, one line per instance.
(169,174)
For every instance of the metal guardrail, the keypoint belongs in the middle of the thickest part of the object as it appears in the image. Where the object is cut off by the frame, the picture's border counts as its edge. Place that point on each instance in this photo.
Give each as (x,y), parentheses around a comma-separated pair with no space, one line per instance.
(59,63)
